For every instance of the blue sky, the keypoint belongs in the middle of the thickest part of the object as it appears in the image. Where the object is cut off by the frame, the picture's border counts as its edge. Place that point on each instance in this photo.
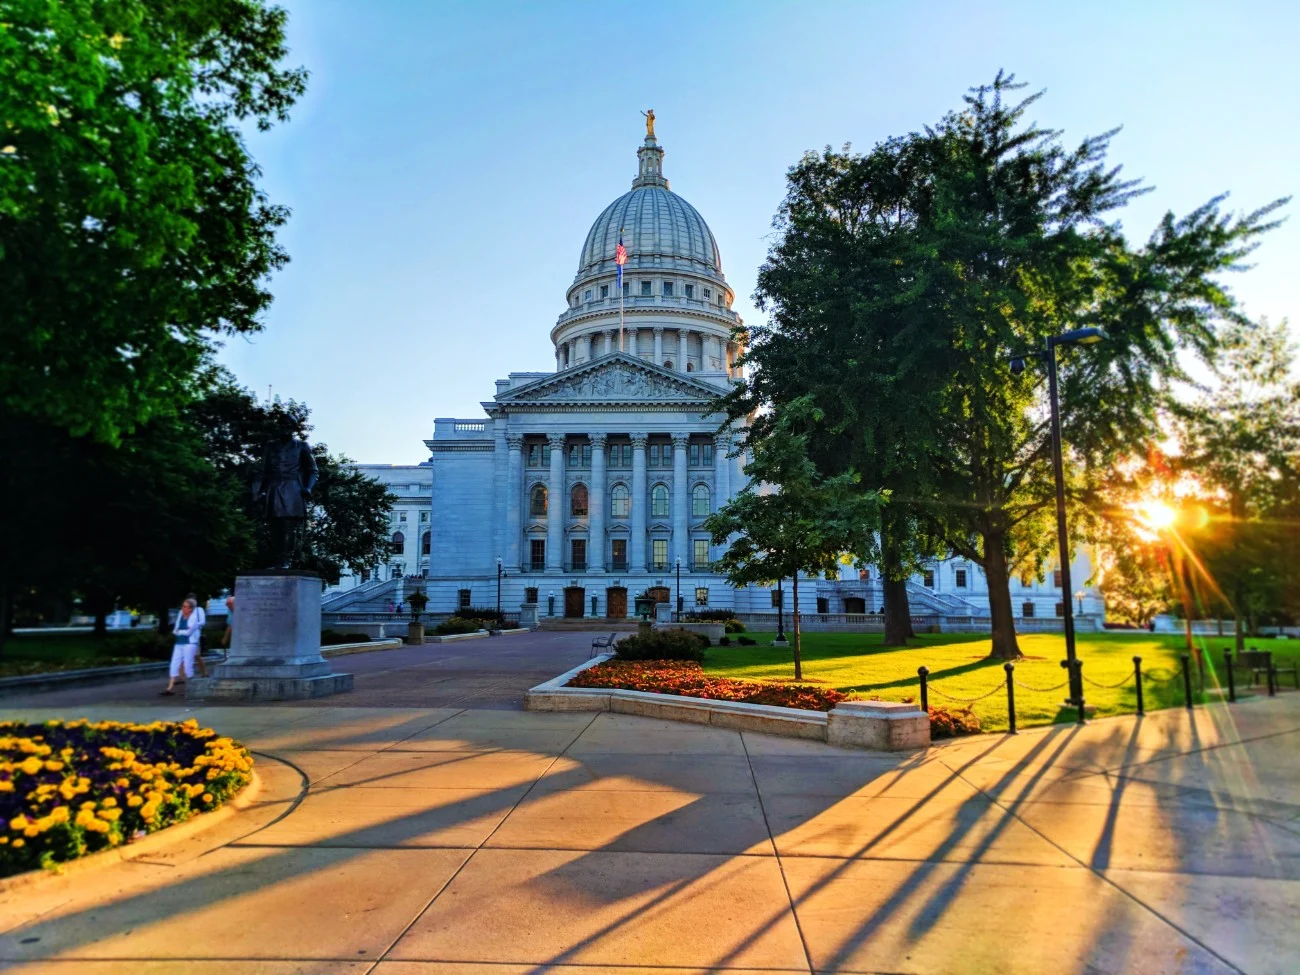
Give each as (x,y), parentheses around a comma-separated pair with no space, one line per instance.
(448,158)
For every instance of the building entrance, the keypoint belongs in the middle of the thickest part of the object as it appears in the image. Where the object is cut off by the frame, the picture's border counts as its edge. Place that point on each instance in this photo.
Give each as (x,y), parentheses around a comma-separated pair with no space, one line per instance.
(574,597)
(616,603)
(854,604)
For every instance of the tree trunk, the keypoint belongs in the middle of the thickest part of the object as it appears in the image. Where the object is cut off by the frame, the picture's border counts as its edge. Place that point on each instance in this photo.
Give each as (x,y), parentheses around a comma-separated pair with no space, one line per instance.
(798,661)
(898,614)
(101,622)
(1001,613)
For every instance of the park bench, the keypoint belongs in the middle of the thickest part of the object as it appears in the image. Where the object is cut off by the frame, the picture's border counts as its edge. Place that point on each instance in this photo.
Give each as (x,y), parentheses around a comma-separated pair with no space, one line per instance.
(1260,662)
(603,643)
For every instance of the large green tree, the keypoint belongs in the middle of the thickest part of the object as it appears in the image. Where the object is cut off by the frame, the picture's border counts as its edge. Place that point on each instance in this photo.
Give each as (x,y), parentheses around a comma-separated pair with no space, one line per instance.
(1240,447)
(790,520)
(132,229)
(996,238)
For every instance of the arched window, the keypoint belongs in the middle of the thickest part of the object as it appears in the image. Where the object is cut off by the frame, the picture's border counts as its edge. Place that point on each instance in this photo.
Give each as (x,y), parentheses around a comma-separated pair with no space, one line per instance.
(668,364)
(700,500)
(578,501)
(620,501)
(425,541)
(659,501)
(399,543)
(537,501)
(690,367)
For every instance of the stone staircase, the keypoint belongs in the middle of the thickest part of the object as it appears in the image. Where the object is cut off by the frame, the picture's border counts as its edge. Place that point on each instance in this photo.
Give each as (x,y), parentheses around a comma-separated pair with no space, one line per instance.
(587,624)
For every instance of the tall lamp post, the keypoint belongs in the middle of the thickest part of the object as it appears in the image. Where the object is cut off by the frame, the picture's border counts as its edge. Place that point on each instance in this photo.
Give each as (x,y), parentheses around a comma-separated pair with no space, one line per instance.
(1079,336)
(500,576)
(680,606)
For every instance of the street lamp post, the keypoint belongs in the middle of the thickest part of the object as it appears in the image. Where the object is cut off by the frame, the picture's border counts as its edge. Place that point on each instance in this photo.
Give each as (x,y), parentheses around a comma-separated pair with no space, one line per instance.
(680,606)
(780,612)
(1079,336)
(500,575)
(1079,596)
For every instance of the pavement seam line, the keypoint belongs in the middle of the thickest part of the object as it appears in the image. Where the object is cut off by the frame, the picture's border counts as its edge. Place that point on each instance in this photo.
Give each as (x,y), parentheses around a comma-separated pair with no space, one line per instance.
(776,852)
(383,955)
(393,744)
(1097,873)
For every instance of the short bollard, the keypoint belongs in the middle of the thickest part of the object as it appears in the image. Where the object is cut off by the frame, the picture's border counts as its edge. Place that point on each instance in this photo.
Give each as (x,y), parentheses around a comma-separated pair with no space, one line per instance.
(924,674)
(1010,668)
(1272,678)
(1232,681)
(1187,680)
(1137,675)
(1078,673)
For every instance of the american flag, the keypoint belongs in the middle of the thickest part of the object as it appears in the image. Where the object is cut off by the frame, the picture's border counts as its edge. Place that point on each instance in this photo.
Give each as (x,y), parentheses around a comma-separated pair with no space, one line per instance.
(620,258)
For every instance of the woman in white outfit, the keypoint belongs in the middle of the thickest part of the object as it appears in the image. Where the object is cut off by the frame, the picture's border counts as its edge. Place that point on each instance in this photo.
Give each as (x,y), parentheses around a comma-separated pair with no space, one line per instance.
(185,635)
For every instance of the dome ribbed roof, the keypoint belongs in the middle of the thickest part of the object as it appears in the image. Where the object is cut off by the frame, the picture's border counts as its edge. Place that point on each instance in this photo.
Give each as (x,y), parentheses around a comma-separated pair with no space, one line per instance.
(655,222)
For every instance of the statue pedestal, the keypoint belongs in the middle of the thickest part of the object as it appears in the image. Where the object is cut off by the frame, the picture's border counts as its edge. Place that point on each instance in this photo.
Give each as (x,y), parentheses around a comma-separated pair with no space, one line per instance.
(275,652)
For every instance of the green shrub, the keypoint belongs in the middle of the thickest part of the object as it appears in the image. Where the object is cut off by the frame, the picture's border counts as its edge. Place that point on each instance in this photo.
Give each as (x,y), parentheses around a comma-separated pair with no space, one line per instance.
(708,615)
(746,641)
(724,642)
(331,638)
(662,645)
(734,626)
(492,620)
(458,624)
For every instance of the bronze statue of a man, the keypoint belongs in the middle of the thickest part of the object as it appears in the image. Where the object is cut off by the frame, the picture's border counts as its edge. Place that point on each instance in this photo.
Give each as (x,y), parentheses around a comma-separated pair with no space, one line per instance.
(282,493)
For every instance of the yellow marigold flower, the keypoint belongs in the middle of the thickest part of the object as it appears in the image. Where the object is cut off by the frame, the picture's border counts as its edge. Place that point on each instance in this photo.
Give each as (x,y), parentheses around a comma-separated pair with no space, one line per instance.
(207,797)
(18,822)
(19,843)
(109,802)
(85,819)
(33,830)
(110,815)
(32,765)
(123,782)
(51,765)
(6,785)
(4,841)
(59,814)
(88,805)
(133,801)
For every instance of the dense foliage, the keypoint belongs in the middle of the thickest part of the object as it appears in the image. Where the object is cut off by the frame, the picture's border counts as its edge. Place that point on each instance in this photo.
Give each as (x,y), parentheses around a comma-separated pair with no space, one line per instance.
(662,645)
(457,625)
(132,229)
(687,679)
(71,788)
(901,281)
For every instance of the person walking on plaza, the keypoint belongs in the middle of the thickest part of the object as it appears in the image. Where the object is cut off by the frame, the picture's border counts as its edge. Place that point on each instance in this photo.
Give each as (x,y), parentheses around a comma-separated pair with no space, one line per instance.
(185,637)
(202,614)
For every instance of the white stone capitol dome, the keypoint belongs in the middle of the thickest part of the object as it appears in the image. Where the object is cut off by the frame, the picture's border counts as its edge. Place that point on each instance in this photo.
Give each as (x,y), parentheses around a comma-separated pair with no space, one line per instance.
(672,280)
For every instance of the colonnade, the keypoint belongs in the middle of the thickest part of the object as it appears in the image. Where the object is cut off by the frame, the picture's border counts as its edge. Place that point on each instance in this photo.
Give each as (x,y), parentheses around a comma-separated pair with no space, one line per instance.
(590,345)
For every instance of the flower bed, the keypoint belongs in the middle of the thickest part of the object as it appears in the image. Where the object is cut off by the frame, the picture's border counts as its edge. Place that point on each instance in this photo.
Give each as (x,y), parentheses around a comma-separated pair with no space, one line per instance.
(72,788)
(687,679)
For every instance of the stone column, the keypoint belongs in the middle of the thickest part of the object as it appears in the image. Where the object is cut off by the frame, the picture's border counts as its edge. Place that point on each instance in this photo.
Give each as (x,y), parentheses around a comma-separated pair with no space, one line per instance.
(514,501)
(500,479)
(555,506)
(721,480)
(596,505)
(659,346)
(611,337)
(681,496)
(636,557)
(585,342)
(559,358)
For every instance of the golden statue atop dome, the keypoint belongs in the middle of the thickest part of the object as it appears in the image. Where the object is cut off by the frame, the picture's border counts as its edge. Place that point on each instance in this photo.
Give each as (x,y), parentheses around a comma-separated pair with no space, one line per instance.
(649,123)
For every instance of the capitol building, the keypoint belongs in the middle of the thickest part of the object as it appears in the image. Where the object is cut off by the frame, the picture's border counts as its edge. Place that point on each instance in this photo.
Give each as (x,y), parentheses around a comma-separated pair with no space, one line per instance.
(590,484)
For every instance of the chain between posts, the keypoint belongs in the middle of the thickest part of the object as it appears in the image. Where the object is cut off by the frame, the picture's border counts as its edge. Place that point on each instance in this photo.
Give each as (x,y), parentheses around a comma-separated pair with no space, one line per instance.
(967,700)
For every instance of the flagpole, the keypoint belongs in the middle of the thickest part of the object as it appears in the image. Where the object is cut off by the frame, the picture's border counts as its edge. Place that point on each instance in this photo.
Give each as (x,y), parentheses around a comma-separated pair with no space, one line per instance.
(620,296)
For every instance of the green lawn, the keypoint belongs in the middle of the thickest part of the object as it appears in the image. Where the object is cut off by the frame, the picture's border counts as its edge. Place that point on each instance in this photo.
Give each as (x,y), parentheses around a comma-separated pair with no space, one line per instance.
(856,663)
(39,654)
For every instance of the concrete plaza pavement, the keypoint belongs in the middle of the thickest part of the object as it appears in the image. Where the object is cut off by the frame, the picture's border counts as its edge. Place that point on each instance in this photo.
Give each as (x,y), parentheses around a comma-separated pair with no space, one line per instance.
(436,840)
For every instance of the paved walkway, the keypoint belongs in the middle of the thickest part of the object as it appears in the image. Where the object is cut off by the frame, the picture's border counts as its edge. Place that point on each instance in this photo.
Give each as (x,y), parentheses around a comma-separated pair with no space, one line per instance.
(489,673)
(391,841)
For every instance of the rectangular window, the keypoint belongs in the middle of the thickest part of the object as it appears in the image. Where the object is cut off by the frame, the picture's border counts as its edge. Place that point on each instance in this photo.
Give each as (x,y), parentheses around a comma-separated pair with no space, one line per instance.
(960,577)
(575,455)
(659,552)
(401,516)
(823,604)
(690,291)
(626,286)
(586,455)
(654,455)
(424,517)
(586,295)
(464,598)
(530,595)
(927,578)
(668,289)
(722,299)
(618,555)
(701,552)
(645,288)
(534,456)
(537,554)
(707,294)
(708,455)
(776,598)
(1057,579)
(1060,609)
(693,454)
(578,552)
(604,291)
(701,592)
(627,455)
(1027,611)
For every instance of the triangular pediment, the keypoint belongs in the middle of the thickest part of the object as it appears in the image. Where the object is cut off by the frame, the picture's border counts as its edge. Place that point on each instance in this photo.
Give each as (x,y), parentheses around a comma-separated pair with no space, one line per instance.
(614,378)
